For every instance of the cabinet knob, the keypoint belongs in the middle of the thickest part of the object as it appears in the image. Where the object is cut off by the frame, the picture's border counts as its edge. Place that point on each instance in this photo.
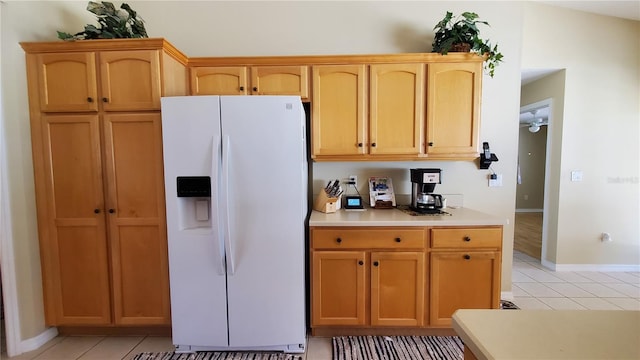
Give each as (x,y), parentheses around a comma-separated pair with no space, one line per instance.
(105,99)
(467,256)
(96,211)
(398,239)
(111,211)
(241,88)
(359,144)
(255,88)
(375,263)
(467,238)
(430,143)
(90,99)
(373,144)
(338,240)
(360,262)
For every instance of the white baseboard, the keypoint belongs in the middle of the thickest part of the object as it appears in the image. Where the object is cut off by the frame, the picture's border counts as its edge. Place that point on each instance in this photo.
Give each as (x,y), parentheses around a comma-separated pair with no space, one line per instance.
(596,267)
(37,341)
(528,210)
(590,267)
(506,295)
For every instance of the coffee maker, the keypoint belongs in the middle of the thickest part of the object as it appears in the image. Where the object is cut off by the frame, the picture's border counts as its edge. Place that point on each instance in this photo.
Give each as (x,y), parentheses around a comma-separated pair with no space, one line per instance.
(423,182)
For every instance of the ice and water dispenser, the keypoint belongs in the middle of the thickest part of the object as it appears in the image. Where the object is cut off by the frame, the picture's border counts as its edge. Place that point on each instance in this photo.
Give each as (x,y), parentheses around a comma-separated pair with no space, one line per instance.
(194,201)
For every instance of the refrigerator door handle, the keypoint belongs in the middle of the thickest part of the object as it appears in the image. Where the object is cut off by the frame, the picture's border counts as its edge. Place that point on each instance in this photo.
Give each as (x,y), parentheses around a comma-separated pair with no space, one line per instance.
(215,203)
(228,248)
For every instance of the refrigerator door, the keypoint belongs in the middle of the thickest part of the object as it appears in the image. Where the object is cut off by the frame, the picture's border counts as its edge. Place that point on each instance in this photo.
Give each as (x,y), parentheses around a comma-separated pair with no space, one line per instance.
(191,141)
(264,144)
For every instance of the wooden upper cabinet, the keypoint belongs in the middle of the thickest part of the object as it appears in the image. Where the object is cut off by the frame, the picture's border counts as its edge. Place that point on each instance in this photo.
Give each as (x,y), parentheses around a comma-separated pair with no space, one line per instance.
(219,80)
(67,81)
(453,109)
(130,80)
(280,80)
(339,110)
(396,109)
(264,80)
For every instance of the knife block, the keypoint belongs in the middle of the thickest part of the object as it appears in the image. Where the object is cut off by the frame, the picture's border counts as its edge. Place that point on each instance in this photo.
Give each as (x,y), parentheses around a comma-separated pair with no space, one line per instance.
(326,204)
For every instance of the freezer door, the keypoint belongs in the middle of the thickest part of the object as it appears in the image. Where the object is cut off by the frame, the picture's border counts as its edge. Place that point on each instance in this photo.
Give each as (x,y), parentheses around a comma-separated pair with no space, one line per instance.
(264,144)
(191,146)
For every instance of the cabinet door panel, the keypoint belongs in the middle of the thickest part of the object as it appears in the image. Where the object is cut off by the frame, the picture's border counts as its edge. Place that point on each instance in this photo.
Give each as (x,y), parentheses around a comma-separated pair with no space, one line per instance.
(280,80)
(137,228)
(463,280)
(130,80)
(338,288)
(75,205)
(397,288)
(396,108)
(339,111)
(219,80)
(453,108)
(67,82)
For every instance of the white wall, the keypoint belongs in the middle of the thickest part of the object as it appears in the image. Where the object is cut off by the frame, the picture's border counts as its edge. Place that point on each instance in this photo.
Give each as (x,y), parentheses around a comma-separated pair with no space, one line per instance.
(599,130)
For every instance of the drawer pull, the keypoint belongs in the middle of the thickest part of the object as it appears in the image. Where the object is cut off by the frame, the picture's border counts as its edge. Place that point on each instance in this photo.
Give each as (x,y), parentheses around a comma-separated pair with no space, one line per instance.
(375,263)
(105,100)
(96,211)
(467,257)
(360,262)
(398,239)
(338,240)
(90,99)
(241,88)
(467,238)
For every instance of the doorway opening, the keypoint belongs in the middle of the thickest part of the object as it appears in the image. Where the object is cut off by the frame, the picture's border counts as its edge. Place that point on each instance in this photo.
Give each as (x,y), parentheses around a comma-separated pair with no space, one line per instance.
(532,178)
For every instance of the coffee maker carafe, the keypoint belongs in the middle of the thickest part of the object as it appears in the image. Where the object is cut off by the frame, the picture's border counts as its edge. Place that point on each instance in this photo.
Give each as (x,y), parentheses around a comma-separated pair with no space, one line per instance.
(423,182)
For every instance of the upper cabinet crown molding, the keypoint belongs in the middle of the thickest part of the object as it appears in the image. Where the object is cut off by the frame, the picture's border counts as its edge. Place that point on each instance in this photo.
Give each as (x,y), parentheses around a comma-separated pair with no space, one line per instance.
(105,45)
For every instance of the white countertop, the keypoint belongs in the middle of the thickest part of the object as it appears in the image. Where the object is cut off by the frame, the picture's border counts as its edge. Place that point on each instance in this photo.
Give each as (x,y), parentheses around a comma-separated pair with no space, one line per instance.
(549,334)
(395,217)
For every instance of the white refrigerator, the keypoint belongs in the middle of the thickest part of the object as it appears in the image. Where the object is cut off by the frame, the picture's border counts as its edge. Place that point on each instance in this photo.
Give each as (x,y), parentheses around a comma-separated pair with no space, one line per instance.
(235,171)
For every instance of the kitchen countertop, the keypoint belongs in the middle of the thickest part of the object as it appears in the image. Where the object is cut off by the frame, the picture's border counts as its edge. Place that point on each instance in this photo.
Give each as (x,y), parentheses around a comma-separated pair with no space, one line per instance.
(549,334)
(396,217)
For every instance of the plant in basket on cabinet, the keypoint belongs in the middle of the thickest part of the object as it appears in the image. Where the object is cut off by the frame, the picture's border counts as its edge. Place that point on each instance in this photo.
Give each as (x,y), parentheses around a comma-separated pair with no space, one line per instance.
(462,35)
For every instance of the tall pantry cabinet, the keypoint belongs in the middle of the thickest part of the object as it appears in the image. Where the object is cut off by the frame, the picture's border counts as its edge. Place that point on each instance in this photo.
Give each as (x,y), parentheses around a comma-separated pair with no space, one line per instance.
(97,152)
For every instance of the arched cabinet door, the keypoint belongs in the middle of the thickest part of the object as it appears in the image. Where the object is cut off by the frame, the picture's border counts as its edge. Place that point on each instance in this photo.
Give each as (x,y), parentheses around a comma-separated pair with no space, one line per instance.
(453,109)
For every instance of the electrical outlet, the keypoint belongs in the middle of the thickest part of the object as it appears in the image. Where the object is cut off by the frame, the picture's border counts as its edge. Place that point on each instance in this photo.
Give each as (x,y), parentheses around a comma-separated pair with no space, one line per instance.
(495,180)
(353,179)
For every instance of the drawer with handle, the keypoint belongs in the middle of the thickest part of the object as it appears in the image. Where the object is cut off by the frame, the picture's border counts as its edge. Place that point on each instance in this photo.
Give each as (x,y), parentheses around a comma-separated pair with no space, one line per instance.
(367,238)
(490,237)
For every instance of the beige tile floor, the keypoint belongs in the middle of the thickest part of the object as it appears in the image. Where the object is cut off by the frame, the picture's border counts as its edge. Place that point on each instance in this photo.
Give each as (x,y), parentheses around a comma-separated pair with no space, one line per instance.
(534,287)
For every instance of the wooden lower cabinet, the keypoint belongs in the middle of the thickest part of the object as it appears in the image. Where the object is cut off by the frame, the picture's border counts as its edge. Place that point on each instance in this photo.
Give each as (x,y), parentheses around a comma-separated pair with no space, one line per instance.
(339,287)
(397,288)
(368,288)
(463,280)
(368,278)
(104,250)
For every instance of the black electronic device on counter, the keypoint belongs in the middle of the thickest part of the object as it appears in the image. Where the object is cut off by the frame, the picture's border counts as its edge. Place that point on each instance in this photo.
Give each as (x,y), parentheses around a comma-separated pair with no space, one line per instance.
(353,202)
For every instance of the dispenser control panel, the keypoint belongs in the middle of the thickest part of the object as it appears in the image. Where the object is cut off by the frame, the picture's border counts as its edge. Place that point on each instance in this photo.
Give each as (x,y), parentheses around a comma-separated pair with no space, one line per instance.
(194,186)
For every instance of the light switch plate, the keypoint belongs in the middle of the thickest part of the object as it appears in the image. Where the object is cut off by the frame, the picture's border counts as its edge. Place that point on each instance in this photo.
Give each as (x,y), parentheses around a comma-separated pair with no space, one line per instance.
(576,175)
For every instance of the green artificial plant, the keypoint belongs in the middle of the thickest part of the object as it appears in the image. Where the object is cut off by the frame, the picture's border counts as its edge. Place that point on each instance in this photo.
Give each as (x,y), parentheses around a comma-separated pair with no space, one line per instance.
(462,34)
(114,23)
